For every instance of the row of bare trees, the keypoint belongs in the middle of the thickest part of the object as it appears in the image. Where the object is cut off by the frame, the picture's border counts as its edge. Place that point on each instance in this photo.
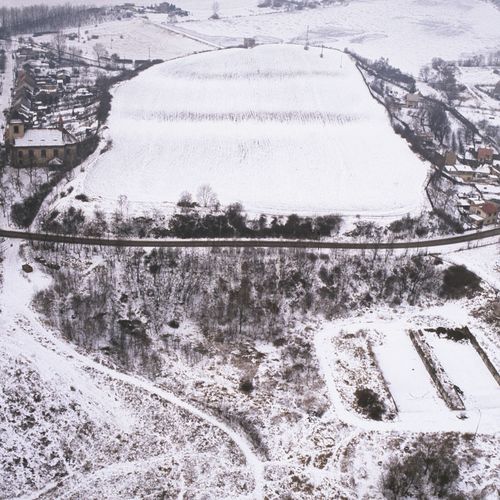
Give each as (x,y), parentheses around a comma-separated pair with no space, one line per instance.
(41,17)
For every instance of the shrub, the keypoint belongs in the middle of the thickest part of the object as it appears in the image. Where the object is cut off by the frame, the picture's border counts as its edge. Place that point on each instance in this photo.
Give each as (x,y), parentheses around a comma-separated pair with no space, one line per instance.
(173,323)
(459,282)
(82,197)
(370,403)
(246,386)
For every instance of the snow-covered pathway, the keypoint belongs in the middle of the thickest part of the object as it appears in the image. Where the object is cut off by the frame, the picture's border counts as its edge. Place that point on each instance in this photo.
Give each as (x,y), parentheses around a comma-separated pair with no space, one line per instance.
(426,415)
(16,296)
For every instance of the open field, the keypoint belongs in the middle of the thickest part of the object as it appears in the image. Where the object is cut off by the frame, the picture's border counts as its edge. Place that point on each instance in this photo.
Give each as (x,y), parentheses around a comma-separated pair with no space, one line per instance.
(134,38)
(420,406)
(466,370)
(409,38)
(276,128)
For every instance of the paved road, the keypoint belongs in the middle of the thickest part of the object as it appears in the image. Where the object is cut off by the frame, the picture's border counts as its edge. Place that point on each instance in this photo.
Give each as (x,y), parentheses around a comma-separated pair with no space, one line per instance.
(245,243)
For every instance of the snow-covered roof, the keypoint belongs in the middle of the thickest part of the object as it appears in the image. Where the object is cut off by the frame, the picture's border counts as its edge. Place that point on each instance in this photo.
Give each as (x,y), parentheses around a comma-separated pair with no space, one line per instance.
(44,137)
(483,169)
(461,169)
(476,218)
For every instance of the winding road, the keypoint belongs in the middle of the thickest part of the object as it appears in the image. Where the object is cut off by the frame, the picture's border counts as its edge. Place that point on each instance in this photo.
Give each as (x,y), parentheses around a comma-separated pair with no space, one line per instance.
(246,243)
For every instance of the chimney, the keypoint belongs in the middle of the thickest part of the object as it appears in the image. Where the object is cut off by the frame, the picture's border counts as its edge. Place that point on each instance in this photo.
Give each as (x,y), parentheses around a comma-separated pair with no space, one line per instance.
(60,124)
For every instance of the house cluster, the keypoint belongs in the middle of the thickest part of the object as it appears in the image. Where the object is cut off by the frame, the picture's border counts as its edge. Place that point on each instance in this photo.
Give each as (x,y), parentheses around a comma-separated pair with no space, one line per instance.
(41,84)
(44,91)
(479,168)
(477,165)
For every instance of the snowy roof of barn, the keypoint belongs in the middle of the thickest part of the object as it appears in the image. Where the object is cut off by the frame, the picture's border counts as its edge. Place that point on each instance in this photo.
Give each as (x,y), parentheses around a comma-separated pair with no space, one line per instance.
(37,137)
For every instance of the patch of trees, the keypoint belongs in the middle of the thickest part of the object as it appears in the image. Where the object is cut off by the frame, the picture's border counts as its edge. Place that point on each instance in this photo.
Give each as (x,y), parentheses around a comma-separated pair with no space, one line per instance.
(235,294)
(441,75)
(441,193)
(384,70)
(409,224)
(23,213)
(232,222)
(479,60)
(438,121)
(169,8)
(431,469)
(43,18)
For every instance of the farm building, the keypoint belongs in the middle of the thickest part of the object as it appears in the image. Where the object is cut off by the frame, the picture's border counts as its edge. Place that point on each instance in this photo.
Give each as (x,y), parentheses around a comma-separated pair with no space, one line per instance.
(40,147)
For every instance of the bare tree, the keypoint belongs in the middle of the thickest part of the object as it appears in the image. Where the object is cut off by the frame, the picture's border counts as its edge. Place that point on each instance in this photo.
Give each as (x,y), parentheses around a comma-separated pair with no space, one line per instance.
(59,44)
(100,52)
(215,10)
(206,196)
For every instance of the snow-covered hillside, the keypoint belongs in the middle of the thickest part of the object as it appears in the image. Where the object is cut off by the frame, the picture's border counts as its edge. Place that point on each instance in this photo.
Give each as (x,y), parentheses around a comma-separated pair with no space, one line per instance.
(277,128)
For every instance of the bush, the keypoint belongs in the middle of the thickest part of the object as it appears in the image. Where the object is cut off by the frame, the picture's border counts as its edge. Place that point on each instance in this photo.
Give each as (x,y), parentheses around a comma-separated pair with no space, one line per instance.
(82,197)
(459,282)
(369,402)
(246,386)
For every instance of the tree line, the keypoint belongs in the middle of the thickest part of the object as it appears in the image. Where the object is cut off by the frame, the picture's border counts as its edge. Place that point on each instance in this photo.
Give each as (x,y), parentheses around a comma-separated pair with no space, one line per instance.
(40,18)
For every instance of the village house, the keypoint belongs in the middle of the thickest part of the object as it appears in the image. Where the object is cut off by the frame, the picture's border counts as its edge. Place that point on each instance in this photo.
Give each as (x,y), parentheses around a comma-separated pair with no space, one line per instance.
(485,155)
(463,172)
(450,158)
(484,214)
(413,100)
(40,147)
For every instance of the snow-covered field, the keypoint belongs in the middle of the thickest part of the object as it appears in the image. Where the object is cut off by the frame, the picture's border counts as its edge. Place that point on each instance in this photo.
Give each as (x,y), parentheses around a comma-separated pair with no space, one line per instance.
(420,407)
(276,128)
(134,38)
(409,35)
(466,370)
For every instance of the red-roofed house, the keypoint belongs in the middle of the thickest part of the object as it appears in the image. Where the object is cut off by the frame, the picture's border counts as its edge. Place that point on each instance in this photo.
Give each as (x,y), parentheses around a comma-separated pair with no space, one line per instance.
(485,155)
(488,212)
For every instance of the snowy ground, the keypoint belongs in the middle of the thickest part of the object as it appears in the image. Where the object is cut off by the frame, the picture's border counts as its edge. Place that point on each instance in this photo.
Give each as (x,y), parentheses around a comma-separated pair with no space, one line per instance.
(409,37)
(98,402)
(276,128)
(467,371)
(479,105)
(484,261)
(419,404)
(134,38)
(6,84)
